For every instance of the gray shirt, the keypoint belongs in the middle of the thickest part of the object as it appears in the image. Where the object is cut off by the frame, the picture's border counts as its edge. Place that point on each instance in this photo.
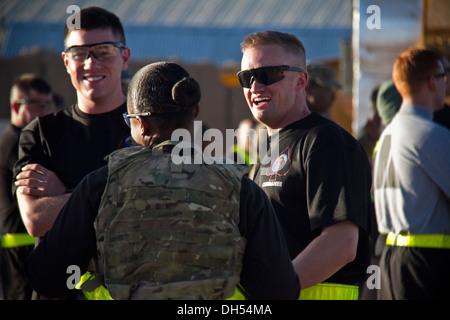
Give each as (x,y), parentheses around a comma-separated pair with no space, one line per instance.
(412,175)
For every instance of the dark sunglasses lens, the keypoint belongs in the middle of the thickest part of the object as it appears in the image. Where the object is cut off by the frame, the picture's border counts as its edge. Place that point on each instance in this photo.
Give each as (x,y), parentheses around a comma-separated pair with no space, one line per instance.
(264,75)
(245,78)
(270,75)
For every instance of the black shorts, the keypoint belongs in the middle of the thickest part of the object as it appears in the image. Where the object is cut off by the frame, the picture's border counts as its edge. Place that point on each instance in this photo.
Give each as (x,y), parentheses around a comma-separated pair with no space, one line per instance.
(414,273)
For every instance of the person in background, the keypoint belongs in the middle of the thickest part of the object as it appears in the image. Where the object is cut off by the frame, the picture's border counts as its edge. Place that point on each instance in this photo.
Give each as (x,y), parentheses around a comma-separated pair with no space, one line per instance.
(319,184)
(388,102)
(412,184)
(368,135)
(30,97)
(125,78)
(245,147)
(57,151)
(59,101)
(321,89)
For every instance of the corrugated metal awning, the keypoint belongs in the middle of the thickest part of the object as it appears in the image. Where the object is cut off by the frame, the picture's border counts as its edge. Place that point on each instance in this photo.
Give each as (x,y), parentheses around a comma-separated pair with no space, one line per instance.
(188,30)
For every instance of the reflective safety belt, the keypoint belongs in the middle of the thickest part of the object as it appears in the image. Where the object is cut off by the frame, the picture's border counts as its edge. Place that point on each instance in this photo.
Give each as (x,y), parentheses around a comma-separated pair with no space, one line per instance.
(12,240)
(243,154)
(93,290)
(330,291)
(239,294)
(437,241)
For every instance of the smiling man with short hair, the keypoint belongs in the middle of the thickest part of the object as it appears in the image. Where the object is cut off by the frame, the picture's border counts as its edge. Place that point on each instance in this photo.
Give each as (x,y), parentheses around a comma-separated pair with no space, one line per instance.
(58,150)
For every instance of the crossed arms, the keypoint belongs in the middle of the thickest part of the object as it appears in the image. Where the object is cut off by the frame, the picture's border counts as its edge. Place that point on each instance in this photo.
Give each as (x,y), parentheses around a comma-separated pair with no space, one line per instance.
(40,196)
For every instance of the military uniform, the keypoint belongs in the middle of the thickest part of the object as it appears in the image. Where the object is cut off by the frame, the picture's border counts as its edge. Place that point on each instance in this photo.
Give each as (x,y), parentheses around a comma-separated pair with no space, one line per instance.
(266,273)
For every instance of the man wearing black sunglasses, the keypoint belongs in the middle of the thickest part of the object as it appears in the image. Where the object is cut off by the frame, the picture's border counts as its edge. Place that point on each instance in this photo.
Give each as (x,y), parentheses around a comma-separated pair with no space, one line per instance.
(320,182)
(58,150)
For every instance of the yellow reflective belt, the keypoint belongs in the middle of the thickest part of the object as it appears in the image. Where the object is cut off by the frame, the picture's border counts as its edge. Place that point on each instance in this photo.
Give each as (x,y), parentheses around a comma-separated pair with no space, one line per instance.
(330,291)
(99,293)
(238,294)
(437,241)
(12,240)
(245,155)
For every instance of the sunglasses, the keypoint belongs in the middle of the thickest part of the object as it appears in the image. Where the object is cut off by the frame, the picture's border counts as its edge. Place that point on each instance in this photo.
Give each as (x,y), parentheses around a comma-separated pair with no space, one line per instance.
(437,76)
(100,51)
(442,75)
(264,75)
(126,116)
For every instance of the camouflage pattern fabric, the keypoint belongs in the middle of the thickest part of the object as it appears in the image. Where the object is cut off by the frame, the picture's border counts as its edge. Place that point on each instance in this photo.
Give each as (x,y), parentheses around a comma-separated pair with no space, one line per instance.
(167,231)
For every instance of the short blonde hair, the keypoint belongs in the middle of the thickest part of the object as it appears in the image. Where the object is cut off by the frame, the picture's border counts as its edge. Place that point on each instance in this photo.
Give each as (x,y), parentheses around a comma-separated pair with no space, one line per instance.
(287,40)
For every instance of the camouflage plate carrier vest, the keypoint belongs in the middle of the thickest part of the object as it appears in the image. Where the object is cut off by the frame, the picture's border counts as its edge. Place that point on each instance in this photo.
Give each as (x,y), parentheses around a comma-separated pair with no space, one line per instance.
(167,231)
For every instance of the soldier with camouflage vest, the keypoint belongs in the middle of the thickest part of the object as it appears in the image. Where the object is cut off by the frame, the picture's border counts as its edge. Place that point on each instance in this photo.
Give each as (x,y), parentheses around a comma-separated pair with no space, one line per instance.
(160,230)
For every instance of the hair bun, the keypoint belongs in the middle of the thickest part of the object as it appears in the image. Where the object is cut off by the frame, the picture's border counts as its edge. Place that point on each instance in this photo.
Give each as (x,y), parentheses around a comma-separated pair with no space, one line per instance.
(186,92)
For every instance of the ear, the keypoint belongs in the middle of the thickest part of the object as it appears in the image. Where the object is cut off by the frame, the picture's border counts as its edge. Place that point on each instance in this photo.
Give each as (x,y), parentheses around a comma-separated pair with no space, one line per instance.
(126,58)
(15,106)
(66,61)
(302,80)
(432,83)
(144,126)
(196,111)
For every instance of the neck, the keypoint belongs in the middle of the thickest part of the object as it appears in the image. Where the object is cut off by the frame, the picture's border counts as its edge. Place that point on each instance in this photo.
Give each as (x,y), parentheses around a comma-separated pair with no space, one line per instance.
(150,141)
(97,106)
(422,101)
(158,135)
(17,123)
(302,113)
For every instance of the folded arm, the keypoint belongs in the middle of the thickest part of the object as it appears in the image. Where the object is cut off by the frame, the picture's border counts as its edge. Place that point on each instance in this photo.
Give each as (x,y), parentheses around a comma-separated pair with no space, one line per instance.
(40,196)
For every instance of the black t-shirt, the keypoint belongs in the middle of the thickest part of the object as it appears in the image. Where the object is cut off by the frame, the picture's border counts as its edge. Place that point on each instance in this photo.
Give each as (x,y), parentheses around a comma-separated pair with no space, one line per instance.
(320,177)
(267,269)
(9,212)
(72,143)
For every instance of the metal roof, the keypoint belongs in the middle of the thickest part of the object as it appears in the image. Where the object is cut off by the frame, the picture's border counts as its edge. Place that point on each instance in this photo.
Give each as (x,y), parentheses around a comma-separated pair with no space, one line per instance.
(190,30)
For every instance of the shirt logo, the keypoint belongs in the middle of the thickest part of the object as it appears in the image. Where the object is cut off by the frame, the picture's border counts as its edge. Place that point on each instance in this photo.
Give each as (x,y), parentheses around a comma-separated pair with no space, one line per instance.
(279,167)
(279,163)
